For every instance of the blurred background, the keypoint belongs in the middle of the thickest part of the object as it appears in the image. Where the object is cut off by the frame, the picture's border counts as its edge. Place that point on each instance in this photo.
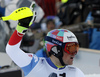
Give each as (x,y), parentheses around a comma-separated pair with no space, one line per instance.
(82,17)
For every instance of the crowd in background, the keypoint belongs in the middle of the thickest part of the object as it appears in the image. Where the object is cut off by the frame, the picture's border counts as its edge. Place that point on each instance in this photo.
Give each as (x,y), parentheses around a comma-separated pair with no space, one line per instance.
(51,14)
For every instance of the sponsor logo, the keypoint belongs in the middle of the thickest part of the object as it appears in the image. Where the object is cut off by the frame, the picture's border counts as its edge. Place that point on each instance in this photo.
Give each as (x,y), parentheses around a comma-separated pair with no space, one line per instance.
(59,38)
(70,37)
(57,42)
(35,58)
(30,55)
(53,36)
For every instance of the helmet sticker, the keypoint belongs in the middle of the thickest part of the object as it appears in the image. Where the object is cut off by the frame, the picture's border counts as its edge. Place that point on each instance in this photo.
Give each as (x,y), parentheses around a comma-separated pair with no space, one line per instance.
(69,37)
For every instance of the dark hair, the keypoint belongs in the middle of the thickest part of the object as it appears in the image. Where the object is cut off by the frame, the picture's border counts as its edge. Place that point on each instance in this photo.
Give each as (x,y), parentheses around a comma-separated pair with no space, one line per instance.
(49,20)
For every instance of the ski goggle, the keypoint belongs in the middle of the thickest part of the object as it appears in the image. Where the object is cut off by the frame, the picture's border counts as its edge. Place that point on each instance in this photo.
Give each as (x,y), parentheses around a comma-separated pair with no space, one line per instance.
(71,48)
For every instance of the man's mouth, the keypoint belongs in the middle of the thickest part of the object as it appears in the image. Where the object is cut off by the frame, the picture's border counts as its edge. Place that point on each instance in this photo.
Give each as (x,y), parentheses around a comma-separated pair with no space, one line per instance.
(71,57)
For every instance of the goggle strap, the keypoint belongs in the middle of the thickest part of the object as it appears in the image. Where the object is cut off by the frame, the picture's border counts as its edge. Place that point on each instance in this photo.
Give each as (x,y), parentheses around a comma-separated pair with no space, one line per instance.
(61,61)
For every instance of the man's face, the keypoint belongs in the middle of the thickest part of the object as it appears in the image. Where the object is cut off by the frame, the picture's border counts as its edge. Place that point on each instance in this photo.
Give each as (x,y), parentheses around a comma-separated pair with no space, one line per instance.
(69,53)
(51,25)
(67,58)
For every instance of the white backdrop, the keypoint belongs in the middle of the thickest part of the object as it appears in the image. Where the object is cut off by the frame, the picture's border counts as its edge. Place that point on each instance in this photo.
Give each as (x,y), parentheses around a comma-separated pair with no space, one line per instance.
(88,61)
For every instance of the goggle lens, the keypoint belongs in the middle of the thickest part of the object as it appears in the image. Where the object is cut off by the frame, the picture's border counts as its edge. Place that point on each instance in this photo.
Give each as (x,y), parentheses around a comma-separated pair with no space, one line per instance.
(71,48)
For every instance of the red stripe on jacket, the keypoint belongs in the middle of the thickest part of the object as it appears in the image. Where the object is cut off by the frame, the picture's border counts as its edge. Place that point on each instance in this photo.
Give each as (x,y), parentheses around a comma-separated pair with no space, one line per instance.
(15,38)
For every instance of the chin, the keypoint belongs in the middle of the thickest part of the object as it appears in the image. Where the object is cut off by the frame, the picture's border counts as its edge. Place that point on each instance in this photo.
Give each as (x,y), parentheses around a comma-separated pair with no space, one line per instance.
(70,63)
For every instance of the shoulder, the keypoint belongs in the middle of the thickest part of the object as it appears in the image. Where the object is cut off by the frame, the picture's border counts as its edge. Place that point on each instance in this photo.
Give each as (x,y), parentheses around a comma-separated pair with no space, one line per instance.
(41,50)
(39,53)
(77,70)
(73,68)
(38,59)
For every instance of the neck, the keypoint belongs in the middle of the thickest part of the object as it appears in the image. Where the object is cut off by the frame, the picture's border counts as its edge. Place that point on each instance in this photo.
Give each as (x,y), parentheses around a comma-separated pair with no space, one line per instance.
(55,61)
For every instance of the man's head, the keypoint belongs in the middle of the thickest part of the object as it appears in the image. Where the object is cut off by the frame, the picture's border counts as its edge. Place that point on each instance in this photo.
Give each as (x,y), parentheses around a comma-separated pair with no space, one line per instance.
(62,44)
(50,23)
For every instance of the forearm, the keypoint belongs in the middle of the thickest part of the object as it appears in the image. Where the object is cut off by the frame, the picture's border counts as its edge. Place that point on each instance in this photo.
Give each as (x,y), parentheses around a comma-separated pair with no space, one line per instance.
(15,38)
(14,51)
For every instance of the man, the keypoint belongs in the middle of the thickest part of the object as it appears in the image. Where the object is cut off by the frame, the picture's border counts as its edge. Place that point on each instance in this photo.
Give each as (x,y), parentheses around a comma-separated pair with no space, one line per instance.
(61,45)
(94,33)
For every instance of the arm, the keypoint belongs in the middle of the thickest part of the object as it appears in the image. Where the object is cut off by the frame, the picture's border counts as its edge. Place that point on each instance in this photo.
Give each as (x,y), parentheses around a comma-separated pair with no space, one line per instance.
(14,51)
(22,59)
(25,17)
